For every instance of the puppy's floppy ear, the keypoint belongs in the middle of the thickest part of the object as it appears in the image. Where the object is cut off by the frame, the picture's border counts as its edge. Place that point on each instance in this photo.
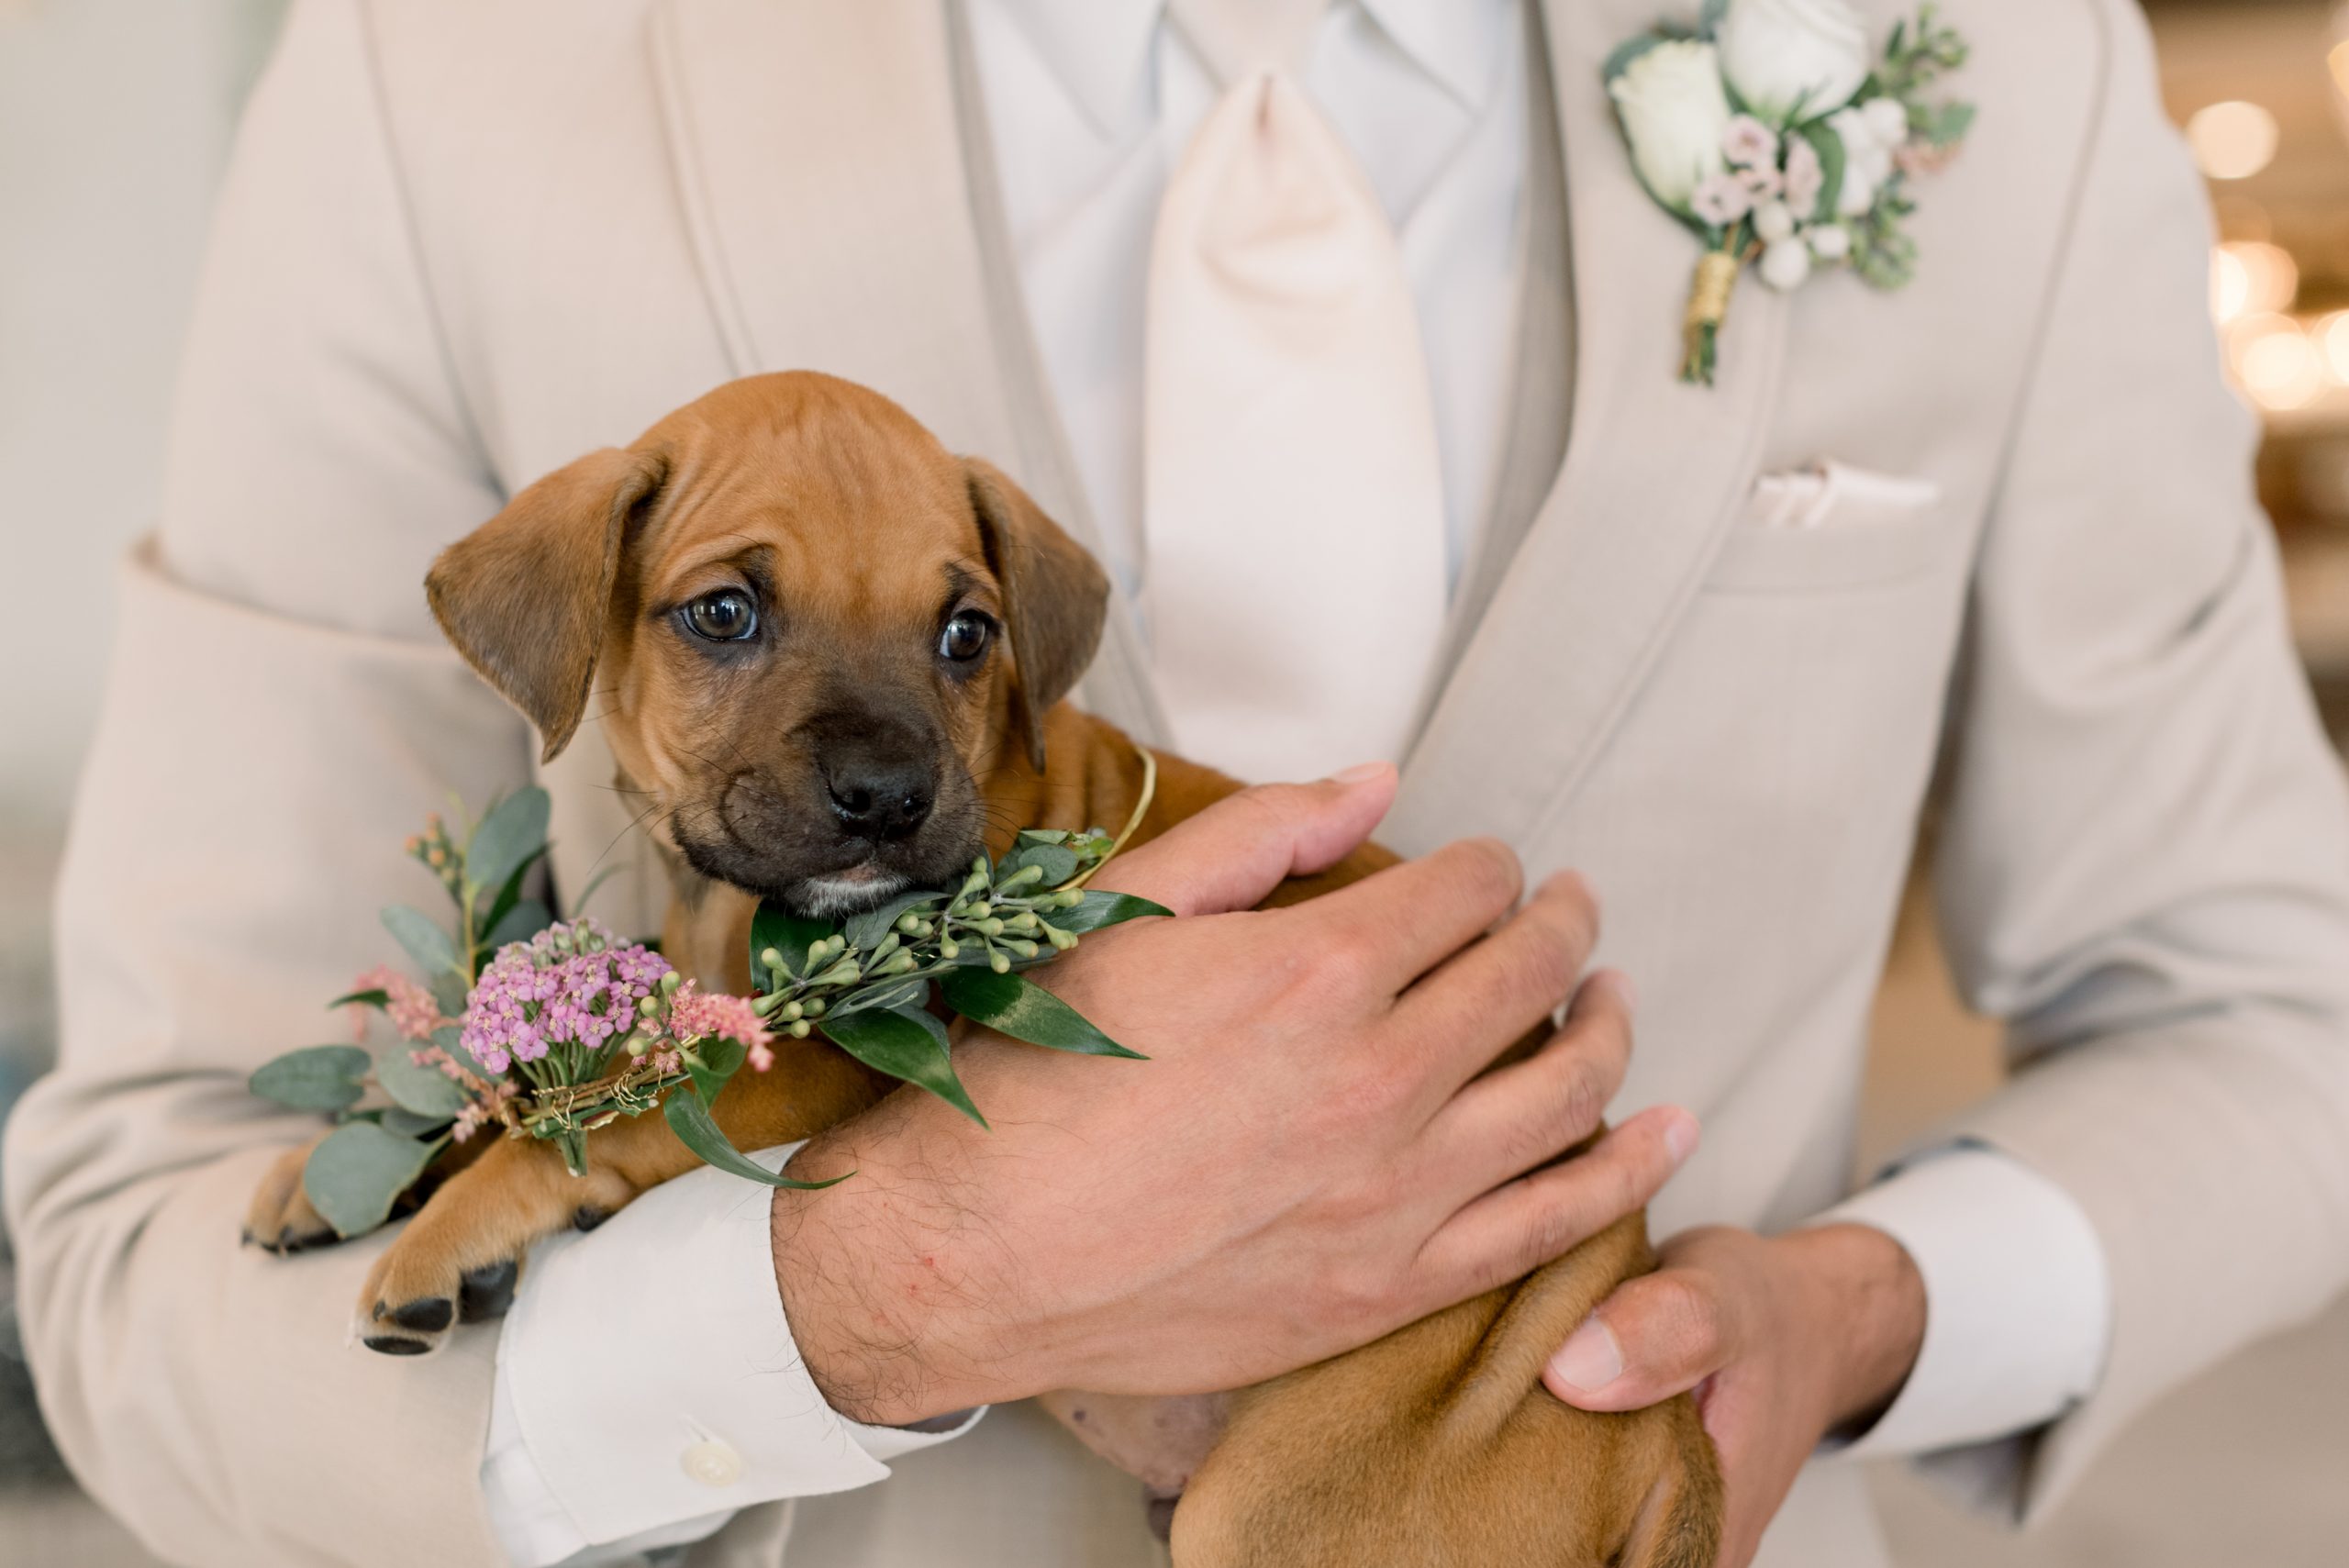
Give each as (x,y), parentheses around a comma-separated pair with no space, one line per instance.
(525,596)
(1055,596)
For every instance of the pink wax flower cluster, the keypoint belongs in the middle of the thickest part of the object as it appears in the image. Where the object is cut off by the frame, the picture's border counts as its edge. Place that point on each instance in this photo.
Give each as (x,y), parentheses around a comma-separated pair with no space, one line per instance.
(408,1001)
(696,1014)
(573,984)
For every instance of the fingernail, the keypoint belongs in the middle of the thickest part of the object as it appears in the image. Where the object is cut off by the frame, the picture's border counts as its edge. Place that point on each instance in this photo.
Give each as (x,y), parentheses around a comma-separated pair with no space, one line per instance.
(1589,1360)
(1680,1138)
(1361,772)
(1628,993)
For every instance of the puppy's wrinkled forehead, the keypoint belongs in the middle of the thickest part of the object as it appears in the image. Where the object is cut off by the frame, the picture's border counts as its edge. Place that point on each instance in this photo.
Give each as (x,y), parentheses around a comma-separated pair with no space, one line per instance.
(825,487)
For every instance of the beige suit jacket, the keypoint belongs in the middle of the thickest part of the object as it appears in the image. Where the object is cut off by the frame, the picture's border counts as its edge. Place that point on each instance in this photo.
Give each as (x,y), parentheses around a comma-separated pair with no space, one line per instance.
(466,239)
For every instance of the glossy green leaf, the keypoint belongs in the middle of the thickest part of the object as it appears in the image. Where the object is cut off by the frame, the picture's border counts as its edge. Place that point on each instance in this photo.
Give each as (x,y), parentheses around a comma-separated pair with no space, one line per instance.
(509,837)
(500,910)
(1101,910)
(688,1117)
(378,998)
(1832,162)
(525,919)
(1016,1005)
(426,942)
(905,1044)
(357,1171)
(774,927)
(316,1078)
(720,1059)
(865,931)
(426,1091)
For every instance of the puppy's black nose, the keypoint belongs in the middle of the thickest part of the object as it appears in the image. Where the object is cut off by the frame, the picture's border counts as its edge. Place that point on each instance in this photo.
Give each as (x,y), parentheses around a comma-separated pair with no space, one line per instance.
(881,800)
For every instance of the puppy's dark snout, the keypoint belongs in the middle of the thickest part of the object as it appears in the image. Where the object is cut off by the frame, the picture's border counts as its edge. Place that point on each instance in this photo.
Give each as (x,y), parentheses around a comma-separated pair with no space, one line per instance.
(880,797)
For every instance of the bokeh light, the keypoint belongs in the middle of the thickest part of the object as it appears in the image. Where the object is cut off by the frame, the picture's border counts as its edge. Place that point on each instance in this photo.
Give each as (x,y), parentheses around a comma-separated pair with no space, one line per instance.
(2232,140)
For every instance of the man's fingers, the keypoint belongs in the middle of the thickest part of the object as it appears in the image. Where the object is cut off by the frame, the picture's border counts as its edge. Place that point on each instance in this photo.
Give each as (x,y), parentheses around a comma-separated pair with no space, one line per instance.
(1516,1229)
(1657,1336)
(1408,918)
(1236,851)
(1530,1112)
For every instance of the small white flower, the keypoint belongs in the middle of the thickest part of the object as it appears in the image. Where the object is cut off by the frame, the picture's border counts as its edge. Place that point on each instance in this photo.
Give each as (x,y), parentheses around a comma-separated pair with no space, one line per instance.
(1831,242)
(1674,115)
(1867,162)
(1786,57)
(1786,265)
(1888,120)
(1722,200)
(1774,223)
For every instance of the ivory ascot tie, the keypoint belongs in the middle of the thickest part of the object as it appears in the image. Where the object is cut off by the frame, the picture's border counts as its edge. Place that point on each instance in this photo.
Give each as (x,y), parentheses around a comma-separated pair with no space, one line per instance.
(1292,496)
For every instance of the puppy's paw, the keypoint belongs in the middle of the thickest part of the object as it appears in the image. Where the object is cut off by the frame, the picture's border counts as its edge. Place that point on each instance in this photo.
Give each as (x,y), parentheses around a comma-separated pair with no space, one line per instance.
(280,1218)
(460,1259)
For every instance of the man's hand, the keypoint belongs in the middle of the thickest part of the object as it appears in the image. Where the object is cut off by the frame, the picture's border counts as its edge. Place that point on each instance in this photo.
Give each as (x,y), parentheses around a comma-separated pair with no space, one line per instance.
(1785,1341)
(1308,1160)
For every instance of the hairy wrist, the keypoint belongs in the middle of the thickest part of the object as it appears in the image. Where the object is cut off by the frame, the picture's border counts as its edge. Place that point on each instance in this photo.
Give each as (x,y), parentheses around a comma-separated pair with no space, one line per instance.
(871,1288)
(1866,1302)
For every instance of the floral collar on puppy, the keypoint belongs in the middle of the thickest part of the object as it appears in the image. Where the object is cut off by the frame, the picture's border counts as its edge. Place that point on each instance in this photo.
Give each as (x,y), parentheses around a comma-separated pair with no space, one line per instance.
(1768,133)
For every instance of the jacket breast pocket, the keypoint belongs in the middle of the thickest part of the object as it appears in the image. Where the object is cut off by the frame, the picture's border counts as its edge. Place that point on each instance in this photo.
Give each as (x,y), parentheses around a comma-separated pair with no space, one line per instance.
(1833,529)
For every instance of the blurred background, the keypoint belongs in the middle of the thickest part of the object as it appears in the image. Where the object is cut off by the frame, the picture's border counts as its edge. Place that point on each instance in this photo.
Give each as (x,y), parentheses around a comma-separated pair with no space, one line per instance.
(115,120)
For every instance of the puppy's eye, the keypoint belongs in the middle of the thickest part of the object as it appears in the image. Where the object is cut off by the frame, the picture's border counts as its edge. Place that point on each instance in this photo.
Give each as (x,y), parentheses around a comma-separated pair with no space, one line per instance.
(966,636)
(725,615)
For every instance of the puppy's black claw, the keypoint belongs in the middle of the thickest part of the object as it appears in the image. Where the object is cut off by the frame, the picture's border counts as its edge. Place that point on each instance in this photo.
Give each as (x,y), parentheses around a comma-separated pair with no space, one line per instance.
(428,1316)
(488,1291)
(396,1344)
(587,1216)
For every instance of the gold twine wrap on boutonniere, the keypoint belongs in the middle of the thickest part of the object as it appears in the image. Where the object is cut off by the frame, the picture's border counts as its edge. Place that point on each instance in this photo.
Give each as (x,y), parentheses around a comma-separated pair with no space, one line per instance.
(1708,297)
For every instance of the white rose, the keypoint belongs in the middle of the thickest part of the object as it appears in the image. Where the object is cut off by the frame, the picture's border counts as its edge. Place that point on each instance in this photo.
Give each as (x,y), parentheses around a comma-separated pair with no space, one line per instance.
(1867,162)
(1788,55)
(1674,112)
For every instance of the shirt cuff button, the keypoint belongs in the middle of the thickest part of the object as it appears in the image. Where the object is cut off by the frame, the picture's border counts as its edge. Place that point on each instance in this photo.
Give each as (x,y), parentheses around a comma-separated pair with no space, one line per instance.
(713,1463)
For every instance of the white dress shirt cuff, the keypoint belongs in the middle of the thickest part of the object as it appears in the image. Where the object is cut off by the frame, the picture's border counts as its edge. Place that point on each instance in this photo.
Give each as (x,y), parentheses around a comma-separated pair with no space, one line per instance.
(2017,1301)
(648,1386)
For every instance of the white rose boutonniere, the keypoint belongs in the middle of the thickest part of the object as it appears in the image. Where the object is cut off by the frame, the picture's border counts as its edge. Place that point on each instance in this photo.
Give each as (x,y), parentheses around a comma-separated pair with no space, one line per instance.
(1766,130)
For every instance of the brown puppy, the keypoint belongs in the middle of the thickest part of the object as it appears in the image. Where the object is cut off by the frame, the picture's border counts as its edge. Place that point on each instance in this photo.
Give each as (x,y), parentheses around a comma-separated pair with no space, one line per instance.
(830,656)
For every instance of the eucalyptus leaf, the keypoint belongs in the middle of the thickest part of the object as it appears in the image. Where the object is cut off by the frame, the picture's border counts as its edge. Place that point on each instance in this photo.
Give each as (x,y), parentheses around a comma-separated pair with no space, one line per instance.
(426,942)
(356,1172)
(1059,863)
(426,1091)
(316,1078)
(774,927)
(509,837)
(449,993)
(525,919)
(409,1124)
(905,1044)
(1016,1005)
(378,998)
(864,931)
(688,1117)
(1101,910)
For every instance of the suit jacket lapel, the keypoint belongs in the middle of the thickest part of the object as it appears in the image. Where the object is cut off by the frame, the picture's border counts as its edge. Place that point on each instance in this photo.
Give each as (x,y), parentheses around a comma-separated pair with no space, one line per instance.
(824,154)
(1654,474)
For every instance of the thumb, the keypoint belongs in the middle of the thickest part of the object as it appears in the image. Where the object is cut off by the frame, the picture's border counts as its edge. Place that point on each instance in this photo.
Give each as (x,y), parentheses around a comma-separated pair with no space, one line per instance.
(1236,851)
(1656,1337)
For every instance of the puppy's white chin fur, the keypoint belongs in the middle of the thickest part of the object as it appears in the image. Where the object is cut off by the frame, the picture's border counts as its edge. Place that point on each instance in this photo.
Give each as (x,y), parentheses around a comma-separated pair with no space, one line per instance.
(829,897)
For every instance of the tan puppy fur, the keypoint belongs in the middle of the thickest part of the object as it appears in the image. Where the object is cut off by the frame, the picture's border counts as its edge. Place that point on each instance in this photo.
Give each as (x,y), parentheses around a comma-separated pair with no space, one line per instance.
(860,540)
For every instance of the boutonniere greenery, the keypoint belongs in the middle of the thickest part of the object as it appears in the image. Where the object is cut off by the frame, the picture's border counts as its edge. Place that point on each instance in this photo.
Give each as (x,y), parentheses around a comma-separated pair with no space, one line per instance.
(1774,134)
(543,1028)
